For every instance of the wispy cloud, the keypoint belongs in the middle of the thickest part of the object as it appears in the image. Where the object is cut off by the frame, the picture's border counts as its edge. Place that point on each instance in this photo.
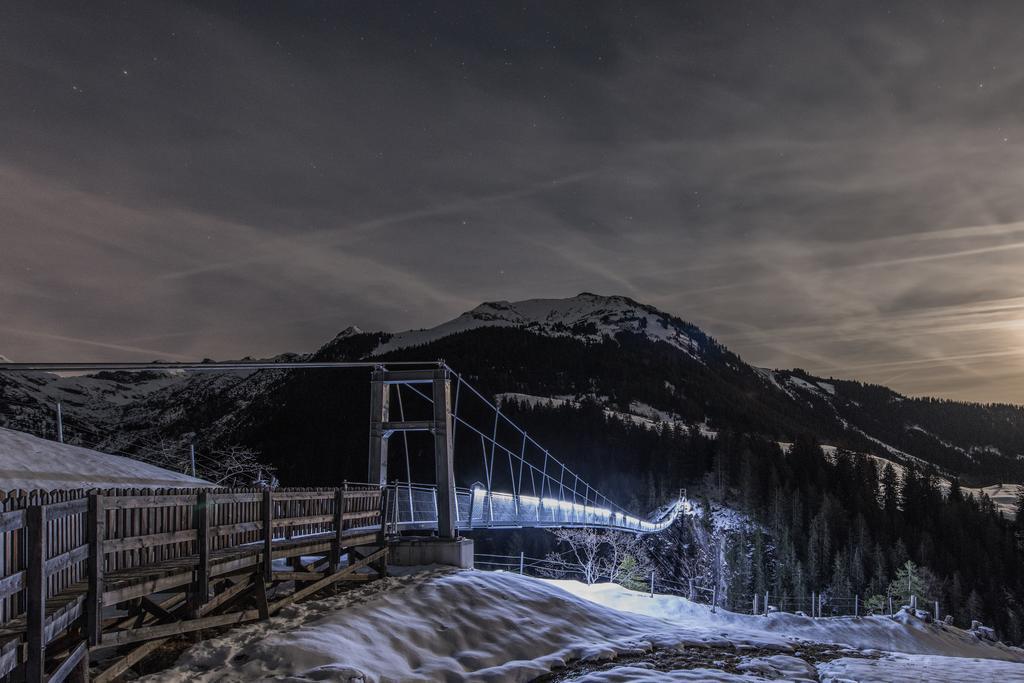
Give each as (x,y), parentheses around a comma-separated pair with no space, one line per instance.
(257,181)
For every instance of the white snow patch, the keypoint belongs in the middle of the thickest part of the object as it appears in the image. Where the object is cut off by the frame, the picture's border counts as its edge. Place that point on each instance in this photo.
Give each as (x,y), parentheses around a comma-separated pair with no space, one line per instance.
(639,672)
(1003,495)
(639,413)
(769,376)
(904,668)
(801,383)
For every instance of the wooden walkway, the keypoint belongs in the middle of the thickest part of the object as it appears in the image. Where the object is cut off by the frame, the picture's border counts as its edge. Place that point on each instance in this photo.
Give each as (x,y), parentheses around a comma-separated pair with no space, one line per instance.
(84,571)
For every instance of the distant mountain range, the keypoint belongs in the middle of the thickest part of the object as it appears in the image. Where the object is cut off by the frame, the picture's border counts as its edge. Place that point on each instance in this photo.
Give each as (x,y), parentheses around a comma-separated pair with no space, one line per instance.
(629,357)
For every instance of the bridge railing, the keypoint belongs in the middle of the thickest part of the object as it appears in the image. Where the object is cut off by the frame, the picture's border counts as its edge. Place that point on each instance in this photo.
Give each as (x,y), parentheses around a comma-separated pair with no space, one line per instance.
(414,506)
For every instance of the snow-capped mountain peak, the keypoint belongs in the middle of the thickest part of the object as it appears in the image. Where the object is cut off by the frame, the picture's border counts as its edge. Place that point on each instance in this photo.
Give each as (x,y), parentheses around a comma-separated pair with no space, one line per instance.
(349,331)
(589,317)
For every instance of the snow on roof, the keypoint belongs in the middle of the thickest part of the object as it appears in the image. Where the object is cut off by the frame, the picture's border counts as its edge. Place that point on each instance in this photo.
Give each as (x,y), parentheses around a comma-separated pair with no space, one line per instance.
(28,462)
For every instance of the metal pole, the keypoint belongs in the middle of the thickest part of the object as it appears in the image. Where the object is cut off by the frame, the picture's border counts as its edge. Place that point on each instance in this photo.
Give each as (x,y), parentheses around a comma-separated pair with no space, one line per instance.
(394,508)
(652,583)
(60,424)
(936,610)
(405,442)
(521,562)
(766,603)
(856,605)
(192,457)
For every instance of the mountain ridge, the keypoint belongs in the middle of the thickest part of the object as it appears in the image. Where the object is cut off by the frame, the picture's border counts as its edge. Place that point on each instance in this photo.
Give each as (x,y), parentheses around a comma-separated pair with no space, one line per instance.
(587,344)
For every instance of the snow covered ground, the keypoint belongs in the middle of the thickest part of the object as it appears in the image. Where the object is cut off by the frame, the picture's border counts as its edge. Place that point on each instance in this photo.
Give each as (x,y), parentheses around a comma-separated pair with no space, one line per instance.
(903,633)
(444,625)
(28,462)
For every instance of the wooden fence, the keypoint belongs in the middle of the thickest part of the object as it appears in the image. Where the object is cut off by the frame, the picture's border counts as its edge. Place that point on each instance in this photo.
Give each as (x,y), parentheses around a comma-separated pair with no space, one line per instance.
(69,559)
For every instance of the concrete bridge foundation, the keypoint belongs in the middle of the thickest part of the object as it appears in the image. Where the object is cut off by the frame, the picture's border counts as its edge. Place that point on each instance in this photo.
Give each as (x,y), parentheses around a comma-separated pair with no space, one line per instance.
(423,551)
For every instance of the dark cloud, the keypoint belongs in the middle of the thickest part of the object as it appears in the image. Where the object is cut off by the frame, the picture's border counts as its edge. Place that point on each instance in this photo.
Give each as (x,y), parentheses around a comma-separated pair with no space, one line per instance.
(834,186)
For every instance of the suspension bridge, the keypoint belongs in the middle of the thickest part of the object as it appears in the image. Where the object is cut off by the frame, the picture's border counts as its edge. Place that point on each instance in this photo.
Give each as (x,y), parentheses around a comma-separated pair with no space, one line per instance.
(523,484)
(511,482)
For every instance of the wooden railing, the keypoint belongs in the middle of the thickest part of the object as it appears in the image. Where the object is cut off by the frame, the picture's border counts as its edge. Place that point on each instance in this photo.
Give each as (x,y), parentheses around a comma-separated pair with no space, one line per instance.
(66,555)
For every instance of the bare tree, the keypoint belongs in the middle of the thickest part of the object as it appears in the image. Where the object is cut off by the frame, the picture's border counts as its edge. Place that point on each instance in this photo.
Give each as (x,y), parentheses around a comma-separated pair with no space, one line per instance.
(228,466)
(614,556)
(236,466)
(584,551)
(627,561)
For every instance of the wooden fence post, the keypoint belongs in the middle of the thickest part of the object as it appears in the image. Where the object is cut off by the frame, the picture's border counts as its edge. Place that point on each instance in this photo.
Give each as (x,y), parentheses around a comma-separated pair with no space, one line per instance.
(339,529)
(268,535)
(35,591)
(96,532)
(201,523)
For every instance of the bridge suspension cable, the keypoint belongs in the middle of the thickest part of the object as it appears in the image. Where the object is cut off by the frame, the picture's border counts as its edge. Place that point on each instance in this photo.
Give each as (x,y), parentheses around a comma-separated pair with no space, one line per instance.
(547,494)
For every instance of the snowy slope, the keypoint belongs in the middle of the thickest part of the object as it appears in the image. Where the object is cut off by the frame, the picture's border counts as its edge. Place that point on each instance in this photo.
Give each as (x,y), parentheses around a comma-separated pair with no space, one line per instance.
(903,633)
(482,626)
(1003,495)
(28,462)
(639,413)
(588,317)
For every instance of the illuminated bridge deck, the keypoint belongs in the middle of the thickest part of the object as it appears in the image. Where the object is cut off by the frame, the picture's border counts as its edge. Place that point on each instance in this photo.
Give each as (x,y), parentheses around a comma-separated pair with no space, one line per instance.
(415,507)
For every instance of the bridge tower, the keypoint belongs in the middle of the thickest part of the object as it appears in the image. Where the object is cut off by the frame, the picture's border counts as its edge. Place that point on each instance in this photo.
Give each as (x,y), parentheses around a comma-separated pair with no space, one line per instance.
(382,427)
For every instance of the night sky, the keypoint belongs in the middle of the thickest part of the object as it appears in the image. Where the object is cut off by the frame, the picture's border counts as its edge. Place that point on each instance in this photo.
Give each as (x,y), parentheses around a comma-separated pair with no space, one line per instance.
(832,186)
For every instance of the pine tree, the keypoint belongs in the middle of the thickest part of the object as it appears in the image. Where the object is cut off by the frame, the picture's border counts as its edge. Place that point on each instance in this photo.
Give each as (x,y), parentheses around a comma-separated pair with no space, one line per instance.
(759,564)
(908,582)
(974,609)
(841,586)
(707,519)
(890,490)
(738,563)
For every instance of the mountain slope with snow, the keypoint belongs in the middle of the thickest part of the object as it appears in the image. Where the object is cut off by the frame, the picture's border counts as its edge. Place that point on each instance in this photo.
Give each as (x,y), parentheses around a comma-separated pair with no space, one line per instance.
(588,317)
